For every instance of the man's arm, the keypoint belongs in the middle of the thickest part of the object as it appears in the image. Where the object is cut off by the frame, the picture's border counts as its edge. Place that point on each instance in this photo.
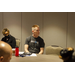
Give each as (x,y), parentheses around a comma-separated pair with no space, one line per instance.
(41,50)
(26,48)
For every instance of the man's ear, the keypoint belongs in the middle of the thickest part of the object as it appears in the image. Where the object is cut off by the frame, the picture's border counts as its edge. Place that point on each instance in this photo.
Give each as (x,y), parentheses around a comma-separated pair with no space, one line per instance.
(32,31)
(1,58)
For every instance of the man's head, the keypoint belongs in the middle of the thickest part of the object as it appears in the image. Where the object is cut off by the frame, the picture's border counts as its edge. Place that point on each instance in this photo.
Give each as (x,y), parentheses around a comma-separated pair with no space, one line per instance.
(35,30)
(66,54)
(5,52)
(5,32)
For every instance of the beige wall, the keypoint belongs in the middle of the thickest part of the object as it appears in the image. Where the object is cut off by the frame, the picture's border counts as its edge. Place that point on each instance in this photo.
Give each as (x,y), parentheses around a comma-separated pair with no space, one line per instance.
(71,30)
(56,28)
(0,25)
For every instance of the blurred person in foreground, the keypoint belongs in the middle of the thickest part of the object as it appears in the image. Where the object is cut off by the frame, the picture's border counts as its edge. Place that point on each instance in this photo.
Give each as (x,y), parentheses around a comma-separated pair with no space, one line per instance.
(34,43)
(67,55)
(8,38)
(5,52)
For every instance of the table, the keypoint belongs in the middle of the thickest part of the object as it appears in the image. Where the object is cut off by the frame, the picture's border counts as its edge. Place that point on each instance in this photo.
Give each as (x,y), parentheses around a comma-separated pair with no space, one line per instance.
(38,58)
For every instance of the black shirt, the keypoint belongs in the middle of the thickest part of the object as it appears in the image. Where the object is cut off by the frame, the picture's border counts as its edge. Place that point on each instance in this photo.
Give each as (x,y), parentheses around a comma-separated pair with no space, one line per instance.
(10,40)
(34,44)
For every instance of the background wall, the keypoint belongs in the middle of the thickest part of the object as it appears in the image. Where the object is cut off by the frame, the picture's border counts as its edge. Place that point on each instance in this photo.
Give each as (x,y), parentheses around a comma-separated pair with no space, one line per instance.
(0,25)
(56,28)
(71,30)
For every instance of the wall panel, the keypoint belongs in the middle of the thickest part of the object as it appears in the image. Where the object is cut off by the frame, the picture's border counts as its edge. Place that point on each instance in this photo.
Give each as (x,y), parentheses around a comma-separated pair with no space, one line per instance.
(54,28)
(71,30)
(0,25)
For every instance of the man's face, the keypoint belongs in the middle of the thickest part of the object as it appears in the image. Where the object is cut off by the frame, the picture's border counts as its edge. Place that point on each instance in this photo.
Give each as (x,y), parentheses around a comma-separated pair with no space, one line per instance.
(36,31)
(6,33)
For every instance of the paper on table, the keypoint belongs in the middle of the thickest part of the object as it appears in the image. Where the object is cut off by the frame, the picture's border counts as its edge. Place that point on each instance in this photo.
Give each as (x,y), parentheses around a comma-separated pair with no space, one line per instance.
(33,54)
(21,52)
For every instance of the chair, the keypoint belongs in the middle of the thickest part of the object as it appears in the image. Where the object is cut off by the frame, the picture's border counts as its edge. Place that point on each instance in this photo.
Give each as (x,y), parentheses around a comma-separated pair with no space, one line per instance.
(17,42)
(53,49)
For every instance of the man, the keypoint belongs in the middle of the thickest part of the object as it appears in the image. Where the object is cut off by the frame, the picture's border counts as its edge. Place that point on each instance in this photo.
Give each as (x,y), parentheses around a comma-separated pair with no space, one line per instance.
(5,52)
(34,43)
(8,38)
(67,55)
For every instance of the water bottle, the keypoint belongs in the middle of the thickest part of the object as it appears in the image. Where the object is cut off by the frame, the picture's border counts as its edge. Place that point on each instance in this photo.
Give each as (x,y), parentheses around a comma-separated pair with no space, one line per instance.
(17,51)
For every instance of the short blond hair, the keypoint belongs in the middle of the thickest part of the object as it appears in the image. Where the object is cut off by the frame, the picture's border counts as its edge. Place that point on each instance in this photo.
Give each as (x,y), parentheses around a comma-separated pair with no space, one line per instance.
(33,27)
(4,30)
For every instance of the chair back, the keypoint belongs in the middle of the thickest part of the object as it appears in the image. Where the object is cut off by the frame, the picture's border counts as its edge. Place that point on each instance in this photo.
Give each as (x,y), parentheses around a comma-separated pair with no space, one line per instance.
(17,42)
(53,49)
